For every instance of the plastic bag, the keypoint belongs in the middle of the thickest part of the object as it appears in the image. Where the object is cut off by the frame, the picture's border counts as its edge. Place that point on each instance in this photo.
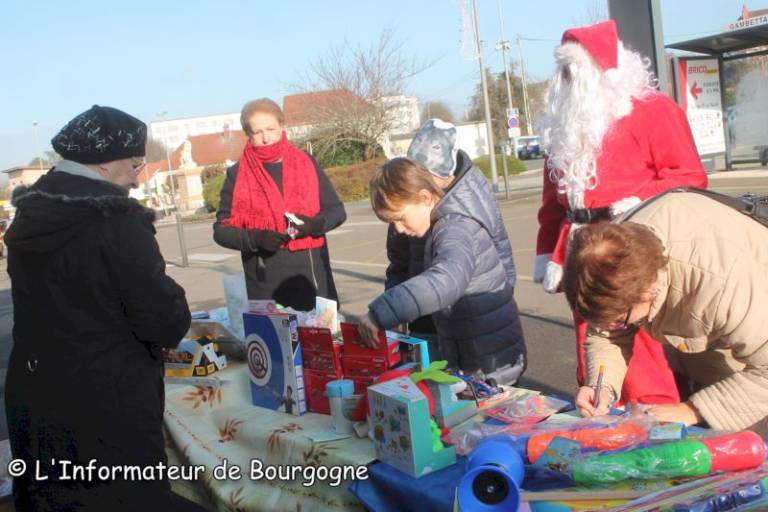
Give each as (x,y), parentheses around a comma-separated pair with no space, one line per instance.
(527,409)
(683,458)
(236,296)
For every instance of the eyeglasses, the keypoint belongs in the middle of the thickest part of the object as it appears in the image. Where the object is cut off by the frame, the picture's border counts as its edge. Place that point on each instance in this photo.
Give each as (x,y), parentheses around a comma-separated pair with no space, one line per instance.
(138,166)
(626,325)
(621,326)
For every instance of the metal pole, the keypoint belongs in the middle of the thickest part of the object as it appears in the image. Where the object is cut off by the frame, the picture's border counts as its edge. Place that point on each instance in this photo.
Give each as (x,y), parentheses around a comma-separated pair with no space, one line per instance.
(528,120)
(506,171)
(486,101)
(182,241)
(504,45)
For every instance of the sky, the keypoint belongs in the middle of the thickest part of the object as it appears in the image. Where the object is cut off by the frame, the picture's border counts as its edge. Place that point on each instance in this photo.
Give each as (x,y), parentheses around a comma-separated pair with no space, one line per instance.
(202,57)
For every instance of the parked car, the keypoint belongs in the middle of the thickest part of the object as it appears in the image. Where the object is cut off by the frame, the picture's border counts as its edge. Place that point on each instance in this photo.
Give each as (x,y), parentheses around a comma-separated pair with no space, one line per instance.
(528,147)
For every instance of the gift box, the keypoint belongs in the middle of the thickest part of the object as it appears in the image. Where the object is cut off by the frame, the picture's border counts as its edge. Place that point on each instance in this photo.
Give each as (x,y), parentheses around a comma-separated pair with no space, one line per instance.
(389,349)
(412,350)
(361,383)
(449,409)
(315,382)
(402,434)
(370,367)
(274,362)
(319,351)
(193,358)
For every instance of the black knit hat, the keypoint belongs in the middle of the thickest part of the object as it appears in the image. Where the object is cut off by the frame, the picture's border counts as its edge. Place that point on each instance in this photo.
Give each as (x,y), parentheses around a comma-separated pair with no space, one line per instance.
(101,134)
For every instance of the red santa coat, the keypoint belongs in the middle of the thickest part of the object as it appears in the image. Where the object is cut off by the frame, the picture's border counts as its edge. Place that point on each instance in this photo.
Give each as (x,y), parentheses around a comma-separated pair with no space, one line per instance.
(643,154)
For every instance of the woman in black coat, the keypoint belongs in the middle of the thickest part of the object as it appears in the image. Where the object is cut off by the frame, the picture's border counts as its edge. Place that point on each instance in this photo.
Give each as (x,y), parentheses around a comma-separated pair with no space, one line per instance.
(93,308)
(273,178)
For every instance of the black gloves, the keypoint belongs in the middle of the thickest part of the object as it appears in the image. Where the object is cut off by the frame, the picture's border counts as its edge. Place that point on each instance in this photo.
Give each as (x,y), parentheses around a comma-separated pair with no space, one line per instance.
(313,226)
(267,240)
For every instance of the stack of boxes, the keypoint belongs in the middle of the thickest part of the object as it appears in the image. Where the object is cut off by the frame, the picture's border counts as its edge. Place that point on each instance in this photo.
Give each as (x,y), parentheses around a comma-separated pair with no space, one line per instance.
(291,366)
(363,364)
(322,364)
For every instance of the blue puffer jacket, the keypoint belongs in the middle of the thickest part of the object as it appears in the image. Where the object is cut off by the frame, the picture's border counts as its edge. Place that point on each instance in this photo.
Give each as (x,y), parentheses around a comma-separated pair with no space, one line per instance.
(466,285)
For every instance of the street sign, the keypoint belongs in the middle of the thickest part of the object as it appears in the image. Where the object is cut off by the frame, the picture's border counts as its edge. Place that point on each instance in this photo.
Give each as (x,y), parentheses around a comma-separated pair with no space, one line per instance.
(747,23)
(701,101)
(513,123)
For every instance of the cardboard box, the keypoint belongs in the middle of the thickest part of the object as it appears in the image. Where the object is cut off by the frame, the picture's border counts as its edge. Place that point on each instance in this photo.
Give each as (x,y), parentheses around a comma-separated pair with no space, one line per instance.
(319,351)
(412,350)
(274,362)
(402,435)
(449,410)
(361,383)
(389,349)
(355,366)
(315,382)
(191,359)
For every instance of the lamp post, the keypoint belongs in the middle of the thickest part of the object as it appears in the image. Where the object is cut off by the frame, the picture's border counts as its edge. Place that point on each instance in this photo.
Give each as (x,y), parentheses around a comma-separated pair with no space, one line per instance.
(504,45)
(486,101)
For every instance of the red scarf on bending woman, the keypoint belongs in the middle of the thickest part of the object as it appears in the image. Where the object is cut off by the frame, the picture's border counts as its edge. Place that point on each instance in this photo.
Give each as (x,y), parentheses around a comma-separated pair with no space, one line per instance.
(256,199)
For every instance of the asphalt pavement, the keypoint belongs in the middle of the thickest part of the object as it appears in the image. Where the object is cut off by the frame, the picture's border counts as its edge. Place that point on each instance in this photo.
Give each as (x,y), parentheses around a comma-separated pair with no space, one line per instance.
(358,258)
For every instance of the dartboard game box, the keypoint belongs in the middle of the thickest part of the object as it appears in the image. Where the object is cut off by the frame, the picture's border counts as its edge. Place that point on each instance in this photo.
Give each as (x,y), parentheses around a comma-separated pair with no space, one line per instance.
(274,362)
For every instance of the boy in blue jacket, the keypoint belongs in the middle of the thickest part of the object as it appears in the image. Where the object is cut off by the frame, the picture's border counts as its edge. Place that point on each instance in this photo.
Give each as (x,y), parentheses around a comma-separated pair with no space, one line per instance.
(468,280)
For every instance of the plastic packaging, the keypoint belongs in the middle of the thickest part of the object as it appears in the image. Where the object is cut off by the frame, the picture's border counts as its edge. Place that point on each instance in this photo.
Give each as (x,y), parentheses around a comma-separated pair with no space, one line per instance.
(337,391)
(715,493)
(686,458)
(527,409)
(602,434)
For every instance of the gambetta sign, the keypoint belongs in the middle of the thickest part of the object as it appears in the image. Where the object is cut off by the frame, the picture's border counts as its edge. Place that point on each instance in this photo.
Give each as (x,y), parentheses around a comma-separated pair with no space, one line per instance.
(747,23)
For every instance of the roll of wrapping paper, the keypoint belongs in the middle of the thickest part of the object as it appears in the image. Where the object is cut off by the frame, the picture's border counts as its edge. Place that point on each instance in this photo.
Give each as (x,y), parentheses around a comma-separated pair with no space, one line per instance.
(686,458)
(608,438)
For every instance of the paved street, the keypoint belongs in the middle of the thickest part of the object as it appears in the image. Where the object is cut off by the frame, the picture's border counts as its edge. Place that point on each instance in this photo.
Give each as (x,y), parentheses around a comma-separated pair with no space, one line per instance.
(359,260)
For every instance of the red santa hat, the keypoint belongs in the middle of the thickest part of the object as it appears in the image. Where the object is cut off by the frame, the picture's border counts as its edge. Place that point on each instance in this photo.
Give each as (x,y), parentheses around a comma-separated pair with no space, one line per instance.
(600,40)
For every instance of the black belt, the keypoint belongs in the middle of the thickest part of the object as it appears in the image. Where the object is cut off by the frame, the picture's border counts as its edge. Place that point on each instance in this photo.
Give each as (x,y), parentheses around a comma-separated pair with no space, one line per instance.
(588,215)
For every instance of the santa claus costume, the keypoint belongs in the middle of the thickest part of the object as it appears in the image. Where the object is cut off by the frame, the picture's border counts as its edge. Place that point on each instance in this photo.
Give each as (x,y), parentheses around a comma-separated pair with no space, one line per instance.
(612,140)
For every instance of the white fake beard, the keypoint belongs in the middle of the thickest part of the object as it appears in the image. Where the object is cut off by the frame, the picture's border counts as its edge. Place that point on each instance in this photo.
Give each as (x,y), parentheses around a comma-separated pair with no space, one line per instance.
(580,112)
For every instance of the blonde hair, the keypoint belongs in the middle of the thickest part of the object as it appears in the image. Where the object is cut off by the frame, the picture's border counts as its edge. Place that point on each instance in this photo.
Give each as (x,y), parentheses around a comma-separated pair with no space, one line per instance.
(263,105)
(397,182)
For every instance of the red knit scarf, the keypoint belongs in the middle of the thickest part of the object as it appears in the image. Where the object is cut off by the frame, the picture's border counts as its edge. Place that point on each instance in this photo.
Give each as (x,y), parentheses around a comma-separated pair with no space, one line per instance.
(256,199)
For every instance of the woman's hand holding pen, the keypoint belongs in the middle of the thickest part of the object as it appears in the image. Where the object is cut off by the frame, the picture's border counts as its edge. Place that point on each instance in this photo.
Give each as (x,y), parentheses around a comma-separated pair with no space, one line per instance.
(585,401)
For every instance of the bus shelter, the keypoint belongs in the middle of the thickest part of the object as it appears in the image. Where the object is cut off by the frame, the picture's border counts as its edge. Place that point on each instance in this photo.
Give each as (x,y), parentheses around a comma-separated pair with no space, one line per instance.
(723,89)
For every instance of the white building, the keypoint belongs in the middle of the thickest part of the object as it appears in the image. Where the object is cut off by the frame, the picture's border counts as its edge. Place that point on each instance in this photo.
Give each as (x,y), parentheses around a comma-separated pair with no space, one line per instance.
(472,137)
(172,132)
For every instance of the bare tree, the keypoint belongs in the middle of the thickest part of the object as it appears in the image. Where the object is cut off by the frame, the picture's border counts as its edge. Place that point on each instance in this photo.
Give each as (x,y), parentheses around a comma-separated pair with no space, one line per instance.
(49,159)
(155,150)
(594,13)
(437,109)
(364,92)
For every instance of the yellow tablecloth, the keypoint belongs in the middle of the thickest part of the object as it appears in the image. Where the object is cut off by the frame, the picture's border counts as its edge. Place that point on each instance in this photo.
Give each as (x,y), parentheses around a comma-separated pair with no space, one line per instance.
(207,426)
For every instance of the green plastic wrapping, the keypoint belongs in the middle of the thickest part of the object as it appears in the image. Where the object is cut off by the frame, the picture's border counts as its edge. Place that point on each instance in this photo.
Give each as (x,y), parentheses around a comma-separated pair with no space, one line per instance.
(676,459)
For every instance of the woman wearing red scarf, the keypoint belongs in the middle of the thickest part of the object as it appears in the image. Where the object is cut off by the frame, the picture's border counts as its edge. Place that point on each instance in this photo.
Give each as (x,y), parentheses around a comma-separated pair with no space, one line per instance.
(273,178)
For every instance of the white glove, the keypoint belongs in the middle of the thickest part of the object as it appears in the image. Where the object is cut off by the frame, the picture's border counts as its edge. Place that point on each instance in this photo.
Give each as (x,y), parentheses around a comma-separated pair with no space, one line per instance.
(624,205)
(540,266)
(552,277)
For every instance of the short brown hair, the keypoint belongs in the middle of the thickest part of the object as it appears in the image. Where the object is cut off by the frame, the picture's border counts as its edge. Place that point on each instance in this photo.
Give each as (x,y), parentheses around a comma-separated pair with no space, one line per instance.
(609,267)
(263,105)
(399,181)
